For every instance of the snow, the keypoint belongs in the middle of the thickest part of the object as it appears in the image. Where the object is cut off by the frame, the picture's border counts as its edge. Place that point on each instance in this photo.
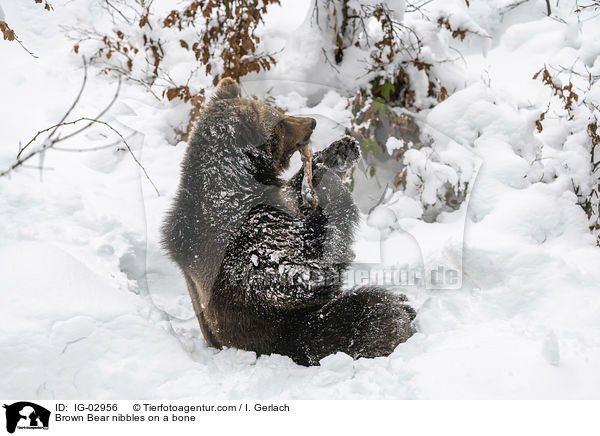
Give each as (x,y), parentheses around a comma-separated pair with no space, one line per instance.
(92,308)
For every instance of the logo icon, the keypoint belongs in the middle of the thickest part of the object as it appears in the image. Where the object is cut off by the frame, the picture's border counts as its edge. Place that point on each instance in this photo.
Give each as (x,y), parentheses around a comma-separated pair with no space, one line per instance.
(26,415)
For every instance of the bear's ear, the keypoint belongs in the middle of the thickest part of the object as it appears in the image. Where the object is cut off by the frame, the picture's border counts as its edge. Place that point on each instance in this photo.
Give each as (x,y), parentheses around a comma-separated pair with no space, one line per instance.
(227,88)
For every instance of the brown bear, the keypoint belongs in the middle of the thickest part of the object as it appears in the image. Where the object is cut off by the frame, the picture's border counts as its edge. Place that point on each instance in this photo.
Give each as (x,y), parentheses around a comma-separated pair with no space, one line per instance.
(263,267)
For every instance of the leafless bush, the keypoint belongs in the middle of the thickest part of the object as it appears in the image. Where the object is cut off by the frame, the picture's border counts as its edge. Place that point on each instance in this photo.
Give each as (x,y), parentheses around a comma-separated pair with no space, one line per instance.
(36,147)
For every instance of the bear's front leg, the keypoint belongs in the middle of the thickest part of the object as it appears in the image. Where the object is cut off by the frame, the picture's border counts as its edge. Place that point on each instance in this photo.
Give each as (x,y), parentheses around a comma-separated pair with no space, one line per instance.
(335,218)
(340,156)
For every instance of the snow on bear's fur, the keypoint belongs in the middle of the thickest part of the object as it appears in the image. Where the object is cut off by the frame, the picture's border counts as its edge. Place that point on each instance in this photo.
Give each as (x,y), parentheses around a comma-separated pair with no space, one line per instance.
(263,268)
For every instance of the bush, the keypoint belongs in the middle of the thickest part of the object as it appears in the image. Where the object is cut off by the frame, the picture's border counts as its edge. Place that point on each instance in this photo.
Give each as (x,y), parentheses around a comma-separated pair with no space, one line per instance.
(404,77)
(574,104)
(144,47)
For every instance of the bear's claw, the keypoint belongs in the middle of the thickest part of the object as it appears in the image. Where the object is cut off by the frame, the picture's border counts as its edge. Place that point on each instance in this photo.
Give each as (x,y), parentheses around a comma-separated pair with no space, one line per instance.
(342,154)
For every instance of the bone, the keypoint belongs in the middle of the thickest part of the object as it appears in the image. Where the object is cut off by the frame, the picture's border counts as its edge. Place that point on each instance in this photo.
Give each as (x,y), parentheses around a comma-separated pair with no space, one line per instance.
(311,196)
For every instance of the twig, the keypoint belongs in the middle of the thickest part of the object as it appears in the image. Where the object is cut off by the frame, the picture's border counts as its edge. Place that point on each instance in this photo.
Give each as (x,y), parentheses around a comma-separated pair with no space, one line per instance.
(37,168)
(74,101)
(45,147)
(315,12)
(100,147)
(25,48)
(329,62)
(81,150)
(127,76)
(70,135)
(118,11)
(49,142)
(411,7)
(506,9)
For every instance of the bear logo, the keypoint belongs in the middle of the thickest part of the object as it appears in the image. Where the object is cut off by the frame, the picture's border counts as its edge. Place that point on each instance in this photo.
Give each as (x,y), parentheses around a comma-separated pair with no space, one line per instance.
(262,264)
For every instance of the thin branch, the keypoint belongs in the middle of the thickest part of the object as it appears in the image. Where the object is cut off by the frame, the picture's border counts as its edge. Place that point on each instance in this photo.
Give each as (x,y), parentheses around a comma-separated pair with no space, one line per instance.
(45,147)
(32,140)
(128,76)
(25,48)
(329,62)
(70,135)
(49,143)
(81,150)
(37,168)
(410,7)
(74,102)
(100,147)
(118,11)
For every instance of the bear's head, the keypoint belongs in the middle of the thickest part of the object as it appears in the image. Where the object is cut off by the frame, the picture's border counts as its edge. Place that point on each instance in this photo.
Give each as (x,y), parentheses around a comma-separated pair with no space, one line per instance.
(276,134)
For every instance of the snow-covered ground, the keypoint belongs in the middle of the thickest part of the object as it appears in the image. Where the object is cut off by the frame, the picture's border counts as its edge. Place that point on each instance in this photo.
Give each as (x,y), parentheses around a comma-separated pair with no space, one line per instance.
(90,307)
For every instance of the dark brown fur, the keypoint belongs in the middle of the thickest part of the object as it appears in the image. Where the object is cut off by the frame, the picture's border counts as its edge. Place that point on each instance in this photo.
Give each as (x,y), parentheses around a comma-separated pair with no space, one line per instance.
(262,267)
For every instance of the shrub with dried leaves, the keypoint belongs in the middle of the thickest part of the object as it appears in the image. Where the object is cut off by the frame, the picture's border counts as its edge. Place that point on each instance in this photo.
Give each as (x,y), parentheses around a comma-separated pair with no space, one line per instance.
(580,111)
(218,37)
(398,64)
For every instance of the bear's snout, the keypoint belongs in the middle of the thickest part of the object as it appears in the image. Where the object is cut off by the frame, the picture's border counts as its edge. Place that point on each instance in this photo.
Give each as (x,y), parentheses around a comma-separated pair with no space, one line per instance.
(298,130)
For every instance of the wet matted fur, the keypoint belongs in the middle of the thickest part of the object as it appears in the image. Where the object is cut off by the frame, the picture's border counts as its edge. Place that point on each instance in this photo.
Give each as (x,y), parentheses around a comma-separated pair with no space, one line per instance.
(263,267)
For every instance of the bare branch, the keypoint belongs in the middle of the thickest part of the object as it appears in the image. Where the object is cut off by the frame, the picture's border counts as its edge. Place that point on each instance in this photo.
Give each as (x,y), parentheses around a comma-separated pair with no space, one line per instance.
(329,61)
(111,6)
(100,147)
(49,142)
(74,102)
(70,135)
(25,48)
(50,145)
